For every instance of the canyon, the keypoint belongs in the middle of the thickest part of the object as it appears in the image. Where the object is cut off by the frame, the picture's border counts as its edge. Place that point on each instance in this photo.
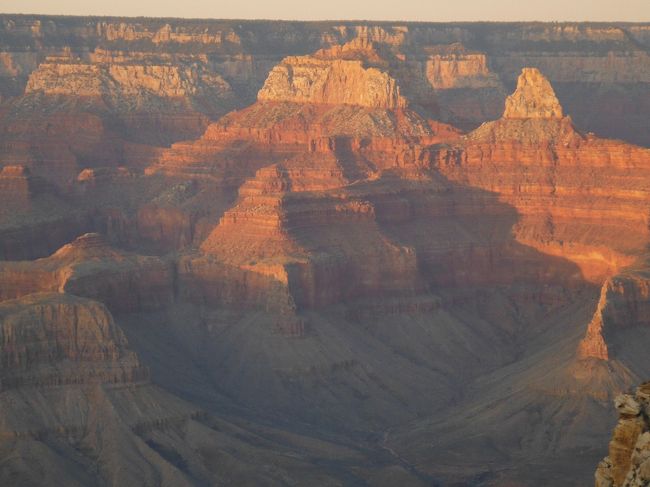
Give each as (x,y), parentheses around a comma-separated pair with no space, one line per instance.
(328,253)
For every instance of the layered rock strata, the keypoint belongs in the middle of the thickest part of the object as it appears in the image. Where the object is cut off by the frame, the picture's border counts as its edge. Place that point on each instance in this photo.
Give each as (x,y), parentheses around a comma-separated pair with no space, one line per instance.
(468,92)
(533,98)
(561,181)
(57,339)
(607,63)
(89,267)
(64,76)
(424,273)
(347,90)
(453,67)
(312,80)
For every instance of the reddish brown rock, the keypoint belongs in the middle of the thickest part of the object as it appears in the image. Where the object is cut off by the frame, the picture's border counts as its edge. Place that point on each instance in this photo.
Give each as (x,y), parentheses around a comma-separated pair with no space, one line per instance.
(561,181)
(304,99)
(89,267)
(34,217)
(318,198)
(624,304)
(56,339)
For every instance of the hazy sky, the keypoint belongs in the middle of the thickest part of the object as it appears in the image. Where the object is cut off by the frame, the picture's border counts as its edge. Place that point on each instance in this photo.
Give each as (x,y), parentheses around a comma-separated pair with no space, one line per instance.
(431,10)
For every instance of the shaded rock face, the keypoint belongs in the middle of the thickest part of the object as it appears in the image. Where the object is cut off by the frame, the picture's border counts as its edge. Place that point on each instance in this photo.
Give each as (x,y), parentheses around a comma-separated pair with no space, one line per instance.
(582,57)
(535,159)
(467,91)
(153,98)
(17,187)
(89,267)
(54,339)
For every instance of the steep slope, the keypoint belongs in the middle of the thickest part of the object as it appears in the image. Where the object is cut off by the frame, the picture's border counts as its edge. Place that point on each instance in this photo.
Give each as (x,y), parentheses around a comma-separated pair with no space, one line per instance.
(620,318)
(366,224)
(77,403)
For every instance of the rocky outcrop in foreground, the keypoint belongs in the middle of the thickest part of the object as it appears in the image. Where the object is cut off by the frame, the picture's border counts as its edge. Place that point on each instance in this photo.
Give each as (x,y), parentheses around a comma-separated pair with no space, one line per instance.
(628,462)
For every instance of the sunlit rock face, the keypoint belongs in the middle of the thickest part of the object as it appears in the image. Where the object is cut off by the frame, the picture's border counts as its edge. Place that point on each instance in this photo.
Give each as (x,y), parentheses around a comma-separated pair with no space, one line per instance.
(533,98)
(331,82)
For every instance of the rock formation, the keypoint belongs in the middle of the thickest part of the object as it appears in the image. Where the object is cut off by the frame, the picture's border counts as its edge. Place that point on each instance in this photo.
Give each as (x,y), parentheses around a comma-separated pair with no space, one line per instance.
(629,450)
(89,267)
(72,77)
(304,99)
(624,303)
(535,160)
(467,91)
(533,98)
(54,339)
(331,82)
(454,67)
(543,154)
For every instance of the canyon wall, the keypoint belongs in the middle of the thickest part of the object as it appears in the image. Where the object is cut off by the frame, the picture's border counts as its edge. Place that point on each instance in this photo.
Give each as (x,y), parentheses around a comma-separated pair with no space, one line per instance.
(465,67)
(340,230)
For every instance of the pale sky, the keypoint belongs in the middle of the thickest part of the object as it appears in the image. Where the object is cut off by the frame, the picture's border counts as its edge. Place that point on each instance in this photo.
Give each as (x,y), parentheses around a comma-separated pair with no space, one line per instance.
(418,10)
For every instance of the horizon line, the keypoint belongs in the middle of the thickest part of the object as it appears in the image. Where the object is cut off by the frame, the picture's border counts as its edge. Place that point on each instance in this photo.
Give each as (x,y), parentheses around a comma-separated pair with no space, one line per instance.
(351,20)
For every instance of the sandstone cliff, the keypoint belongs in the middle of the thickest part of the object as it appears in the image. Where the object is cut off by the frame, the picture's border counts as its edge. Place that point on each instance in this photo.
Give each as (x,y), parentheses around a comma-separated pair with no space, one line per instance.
(585,61)
(304,99)
(533,98)
(310,80)
(561,184)
(453,67)
(63,76)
